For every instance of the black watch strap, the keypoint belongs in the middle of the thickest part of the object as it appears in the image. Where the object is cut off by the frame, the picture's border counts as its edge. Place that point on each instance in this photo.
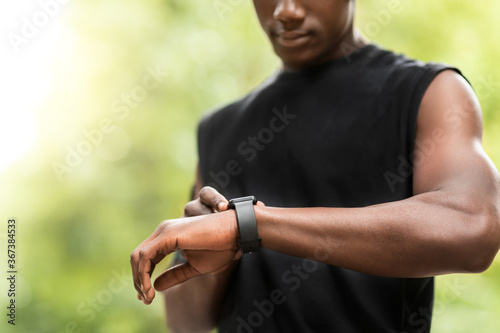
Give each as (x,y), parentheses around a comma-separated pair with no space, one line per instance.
(247,224)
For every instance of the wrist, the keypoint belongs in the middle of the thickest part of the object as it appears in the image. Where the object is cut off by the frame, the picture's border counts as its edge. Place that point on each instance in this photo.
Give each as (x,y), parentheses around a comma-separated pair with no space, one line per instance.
(249,239)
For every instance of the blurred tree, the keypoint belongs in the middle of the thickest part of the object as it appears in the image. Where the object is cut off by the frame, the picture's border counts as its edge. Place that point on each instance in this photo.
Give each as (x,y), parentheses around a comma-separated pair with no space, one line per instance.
(149,70)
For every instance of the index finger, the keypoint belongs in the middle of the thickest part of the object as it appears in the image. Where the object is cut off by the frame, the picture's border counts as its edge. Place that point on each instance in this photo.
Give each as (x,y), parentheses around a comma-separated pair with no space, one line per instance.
(134,262)
(149,257)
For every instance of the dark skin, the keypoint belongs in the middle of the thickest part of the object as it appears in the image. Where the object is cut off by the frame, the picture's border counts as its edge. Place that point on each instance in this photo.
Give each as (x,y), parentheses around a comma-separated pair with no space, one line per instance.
(308,33)
(450,225)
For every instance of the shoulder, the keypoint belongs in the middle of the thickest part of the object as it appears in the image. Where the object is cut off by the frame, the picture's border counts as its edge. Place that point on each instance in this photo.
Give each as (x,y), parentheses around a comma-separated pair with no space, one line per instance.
(450,104)
(399,65)
(399,77)
(215,120)
(448,142)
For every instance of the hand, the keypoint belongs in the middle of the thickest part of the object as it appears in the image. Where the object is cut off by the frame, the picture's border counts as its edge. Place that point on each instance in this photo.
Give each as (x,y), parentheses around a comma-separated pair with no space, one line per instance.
(201,259)
(209,243)
(209,201)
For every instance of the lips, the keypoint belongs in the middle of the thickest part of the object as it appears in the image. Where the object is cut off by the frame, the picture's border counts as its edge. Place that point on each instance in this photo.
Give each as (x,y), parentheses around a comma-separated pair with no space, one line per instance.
(291,38)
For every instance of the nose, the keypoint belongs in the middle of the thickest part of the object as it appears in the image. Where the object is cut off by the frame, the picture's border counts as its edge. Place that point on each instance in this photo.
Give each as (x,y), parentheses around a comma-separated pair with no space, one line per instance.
(290,12)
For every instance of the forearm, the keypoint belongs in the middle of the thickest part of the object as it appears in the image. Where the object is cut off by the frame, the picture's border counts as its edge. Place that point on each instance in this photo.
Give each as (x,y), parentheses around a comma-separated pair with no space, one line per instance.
(193,306)
(426,235)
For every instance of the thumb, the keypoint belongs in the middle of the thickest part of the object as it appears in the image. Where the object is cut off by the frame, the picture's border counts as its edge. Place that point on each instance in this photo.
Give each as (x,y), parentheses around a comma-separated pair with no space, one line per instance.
(210,197)
(175,275)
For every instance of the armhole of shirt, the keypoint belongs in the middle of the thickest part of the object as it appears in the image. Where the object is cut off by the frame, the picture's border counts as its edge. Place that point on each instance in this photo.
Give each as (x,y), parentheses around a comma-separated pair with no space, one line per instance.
(430,72)
(202,143)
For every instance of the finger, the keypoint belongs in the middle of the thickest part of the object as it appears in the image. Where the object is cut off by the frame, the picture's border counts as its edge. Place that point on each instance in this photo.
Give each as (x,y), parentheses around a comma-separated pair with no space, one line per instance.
(135,257)
(149,256)
(213,199)
(175,275)
(145,301)
(238,255)
(196,208)
(134,262)
(144,271)
(223,206)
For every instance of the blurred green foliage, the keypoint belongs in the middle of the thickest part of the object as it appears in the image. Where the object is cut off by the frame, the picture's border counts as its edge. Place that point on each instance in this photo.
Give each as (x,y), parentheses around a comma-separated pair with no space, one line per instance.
(75,234)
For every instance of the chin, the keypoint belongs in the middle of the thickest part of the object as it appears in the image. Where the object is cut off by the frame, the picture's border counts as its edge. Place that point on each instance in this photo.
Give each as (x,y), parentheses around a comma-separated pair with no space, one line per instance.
(298,62)
(300,58)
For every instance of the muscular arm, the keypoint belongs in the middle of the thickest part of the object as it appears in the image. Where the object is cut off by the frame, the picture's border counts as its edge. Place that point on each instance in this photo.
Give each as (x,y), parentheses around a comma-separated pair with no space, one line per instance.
(450,225)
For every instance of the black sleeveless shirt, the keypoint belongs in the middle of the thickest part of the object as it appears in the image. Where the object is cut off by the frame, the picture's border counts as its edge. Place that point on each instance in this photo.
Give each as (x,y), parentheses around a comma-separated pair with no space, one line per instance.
(336,135)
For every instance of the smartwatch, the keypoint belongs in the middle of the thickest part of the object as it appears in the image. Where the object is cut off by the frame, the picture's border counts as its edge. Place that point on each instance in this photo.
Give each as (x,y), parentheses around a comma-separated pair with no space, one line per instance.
(247,224)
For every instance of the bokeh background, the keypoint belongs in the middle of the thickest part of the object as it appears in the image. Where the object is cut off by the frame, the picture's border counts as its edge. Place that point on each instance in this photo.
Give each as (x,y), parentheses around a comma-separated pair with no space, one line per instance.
(99,106)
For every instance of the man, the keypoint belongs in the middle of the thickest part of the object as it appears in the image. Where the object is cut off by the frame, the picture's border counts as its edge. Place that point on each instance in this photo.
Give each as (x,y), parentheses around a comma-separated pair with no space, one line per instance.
(374,180)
